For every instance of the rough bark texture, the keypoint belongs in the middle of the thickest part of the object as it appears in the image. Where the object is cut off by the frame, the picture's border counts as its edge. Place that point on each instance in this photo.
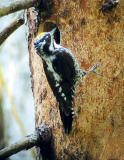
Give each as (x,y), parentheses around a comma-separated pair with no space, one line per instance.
(98,128)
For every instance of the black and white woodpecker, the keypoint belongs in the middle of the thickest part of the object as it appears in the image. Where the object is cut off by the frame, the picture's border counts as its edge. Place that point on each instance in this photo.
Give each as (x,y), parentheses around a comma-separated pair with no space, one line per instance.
(62,72)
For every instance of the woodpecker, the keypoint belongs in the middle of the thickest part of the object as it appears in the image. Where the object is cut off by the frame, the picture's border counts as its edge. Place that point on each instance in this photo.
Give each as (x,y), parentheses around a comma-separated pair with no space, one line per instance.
(62,72)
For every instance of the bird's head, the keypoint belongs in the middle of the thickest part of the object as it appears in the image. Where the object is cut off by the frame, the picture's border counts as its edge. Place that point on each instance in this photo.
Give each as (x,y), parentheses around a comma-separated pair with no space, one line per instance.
(44,44)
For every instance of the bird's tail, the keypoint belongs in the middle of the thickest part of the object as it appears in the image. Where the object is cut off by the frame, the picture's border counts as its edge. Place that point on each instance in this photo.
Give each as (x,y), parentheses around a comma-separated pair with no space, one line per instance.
(67,121)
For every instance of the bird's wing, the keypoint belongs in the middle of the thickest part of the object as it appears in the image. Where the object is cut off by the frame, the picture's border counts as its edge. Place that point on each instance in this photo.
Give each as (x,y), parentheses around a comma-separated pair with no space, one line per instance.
(64,65)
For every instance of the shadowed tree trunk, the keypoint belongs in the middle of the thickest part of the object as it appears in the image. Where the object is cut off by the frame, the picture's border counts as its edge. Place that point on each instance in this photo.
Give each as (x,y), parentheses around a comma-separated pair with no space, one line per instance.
(92,36)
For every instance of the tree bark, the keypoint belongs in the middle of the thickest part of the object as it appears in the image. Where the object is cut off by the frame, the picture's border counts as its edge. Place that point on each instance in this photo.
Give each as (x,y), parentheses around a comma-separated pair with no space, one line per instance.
(98,127)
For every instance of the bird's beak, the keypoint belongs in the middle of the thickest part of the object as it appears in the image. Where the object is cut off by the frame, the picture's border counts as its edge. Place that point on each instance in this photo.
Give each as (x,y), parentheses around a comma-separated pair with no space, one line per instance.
(52,32)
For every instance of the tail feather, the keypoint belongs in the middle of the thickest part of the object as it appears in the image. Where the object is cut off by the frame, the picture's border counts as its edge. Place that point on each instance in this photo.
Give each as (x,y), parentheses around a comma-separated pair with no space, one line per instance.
(67,121)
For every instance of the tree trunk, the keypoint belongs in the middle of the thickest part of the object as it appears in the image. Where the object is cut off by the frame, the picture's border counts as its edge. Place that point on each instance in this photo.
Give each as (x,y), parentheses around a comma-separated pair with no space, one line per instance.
(92,36)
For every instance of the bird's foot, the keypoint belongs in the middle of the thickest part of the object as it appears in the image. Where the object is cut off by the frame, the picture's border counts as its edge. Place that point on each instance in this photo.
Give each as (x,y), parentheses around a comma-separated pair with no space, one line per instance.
(94,67)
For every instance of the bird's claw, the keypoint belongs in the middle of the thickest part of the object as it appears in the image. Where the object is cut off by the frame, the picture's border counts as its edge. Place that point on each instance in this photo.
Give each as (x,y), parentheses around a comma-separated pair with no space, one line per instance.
(95,66)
